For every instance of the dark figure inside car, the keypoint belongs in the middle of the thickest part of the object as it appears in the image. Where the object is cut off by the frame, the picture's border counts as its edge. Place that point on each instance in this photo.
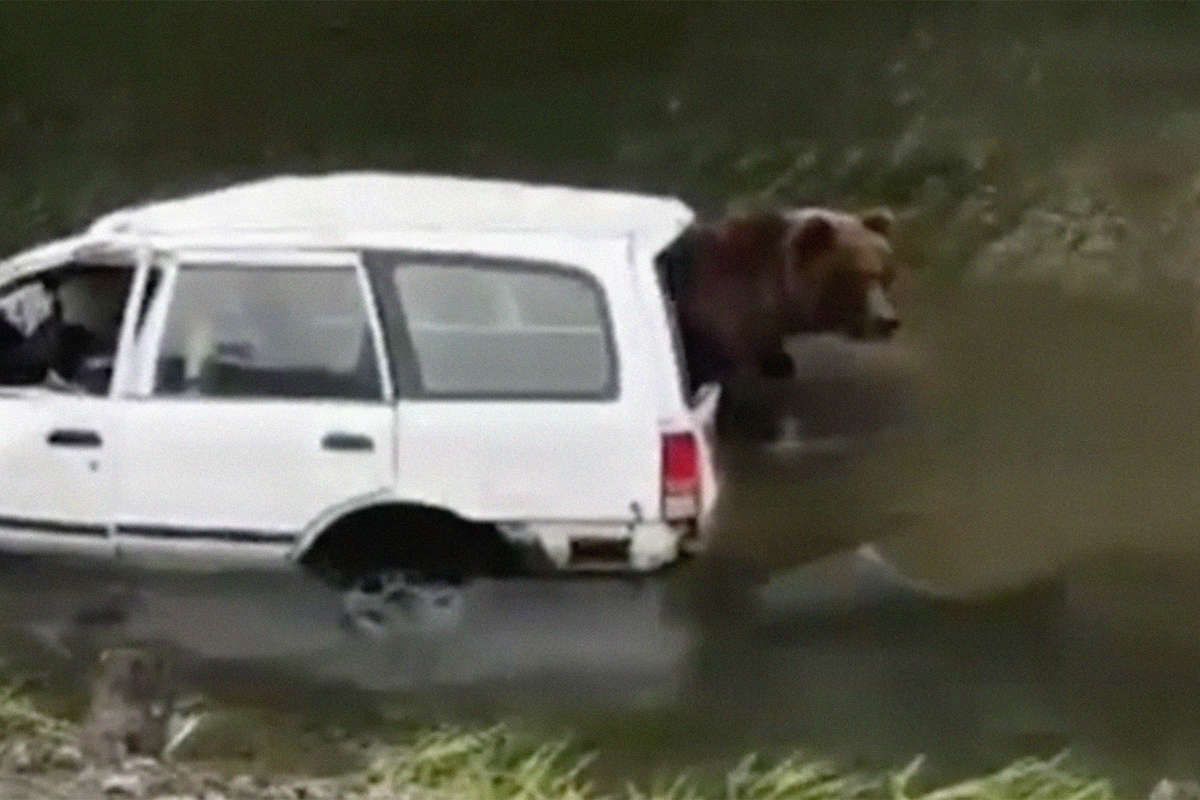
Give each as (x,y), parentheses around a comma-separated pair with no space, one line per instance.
(20,362)
(54,349)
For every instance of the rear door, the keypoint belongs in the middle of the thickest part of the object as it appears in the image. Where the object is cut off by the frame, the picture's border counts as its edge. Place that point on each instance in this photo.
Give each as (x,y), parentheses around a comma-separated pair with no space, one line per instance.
(524,392)
(258,403)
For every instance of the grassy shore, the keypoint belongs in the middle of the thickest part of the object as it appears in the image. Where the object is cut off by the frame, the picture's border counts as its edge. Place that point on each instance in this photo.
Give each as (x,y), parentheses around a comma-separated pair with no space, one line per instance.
(38,759)
(498,764)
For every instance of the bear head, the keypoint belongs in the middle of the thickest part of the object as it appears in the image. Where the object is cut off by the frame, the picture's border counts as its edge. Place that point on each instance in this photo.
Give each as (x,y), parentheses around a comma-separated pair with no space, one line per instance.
(836,272)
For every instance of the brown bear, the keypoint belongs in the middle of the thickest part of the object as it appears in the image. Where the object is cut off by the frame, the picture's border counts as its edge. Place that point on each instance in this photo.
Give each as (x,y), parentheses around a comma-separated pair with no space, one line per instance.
(743,284)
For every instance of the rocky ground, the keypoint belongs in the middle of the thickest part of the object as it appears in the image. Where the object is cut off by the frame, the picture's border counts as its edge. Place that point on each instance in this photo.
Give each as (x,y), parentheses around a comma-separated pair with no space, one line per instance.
(45,762)
(46,757)
(147,778)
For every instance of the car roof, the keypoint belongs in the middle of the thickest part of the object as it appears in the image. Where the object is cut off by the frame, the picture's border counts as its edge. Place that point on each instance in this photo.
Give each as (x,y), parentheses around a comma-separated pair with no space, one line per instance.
(353,208)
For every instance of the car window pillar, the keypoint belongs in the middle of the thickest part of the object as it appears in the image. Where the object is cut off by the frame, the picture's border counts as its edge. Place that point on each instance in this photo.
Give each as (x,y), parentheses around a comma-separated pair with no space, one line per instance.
(146,341)
(143,263)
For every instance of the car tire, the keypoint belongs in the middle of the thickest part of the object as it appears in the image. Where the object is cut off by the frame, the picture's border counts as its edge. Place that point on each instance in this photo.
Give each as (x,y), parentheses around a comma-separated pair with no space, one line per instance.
(382,603)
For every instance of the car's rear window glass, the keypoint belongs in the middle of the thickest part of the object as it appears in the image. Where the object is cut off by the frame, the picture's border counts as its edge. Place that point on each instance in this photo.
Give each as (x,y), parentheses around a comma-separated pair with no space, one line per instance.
(505,330)
(301,333)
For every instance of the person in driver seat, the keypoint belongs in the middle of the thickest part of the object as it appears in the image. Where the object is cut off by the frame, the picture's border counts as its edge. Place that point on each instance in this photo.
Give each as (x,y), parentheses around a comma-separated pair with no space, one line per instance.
(55,346)
(11,341)
(20,362)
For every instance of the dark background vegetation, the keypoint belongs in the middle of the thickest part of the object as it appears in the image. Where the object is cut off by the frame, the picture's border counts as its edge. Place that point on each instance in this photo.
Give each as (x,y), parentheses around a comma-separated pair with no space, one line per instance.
(916,105)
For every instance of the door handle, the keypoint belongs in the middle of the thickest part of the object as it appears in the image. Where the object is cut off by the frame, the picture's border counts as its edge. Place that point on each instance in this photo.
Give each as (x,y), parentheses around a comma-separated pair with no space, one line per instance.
(68,437)
(347,441)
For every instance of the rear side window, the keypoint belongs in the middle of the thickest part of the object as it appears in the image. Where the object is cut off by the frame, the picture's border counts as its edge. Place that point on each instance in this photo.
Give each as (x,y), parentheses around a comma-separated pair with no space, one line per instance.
(287,333)
(485,329)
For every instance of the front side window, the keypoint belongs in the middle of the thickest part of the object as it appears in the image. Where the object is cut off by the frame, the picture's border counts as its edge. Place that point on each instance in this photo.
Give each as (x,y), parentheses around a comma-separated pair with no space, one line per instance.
(505,330)
(267,332)
(60,327)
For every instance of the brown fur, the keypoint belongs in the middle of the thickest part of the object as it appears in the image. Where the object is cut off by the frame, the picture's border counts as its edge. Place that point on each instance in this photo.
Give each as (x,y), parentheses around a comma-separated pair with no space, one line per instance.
(741,285)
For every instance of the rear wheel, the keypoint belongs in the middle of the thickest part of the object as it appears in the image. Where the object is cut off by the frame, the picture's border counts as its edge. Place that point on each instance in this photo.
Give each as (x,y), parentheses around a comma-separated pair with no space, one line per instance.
(391,601)
(404,568)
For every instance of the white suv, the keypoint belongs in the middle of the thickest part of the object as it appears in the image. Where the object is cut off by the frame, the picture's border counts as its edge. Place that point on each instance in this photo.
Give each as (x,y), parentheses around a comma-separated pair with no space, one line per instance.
(364,372)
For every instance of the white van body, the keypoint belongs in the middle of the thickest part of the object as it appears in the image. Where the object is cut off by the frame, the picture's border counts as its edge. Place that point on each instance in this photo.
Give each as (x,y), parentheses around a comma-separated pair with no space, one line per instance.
(499,351)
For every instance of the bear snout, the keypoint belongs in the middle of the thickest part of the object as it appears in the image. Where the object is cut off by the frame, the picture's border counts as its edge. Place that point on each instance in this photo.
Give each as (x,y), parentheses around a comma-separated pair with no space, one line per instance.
(881,317)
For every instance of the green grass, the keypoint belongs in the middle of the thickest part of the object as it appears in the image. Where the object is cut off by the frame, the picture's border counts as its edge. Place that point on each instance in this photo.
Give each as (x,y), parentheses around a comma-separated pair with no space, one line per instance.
(21,718)
(500,764)
(504,763)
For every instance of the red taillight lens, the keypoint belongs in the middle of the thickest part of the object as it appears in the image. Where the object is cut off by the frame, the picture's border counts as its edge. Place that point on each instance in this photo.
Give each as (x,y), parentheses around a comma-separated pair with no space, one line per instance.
(680,475)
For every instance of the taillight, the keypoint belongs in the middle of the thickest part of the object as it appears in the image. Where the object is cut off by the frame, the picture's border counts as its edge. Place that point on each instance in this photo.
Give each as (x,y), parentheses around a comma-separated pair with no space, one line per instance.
(680,476)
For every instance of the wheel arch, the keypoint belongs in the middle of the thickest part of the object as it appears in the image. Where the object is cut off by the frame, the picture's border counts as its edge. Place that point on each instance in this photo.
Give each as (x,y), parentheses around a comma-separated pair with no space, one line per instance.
(384,531)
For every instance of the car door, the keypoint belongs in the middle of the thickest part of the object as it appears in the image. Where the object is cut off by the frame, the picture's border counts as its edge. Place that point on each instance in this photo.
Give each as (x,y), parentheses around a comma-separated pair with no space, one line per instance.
(527,393)
(259,402)
(56,422)
(55,473)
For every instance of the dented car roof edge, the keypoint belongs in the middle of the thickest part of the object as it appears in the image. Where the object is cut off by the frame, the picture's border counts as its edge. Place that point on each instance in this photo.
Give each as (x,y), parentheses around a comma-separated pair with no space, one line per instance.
(361,209)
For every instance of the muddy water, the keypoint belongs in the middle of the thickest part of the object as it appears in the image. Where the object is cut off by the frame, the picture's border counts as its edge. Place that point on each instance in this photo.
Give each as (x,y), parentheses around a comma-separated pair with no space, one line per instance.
(1035,462)
(1039,460)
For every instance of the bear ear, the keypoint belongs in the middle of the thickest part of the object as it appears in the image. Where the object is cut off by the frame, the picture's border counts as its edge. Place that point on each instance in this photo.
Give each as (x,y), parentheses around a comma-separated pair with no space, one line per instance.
(879,220)
(815,236)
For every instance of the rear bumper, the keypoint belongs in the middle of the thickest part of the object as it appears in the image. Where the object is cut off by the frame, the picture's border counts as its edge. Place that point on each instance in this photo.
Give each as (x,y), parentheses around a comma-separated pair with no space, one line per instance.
(603,547)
